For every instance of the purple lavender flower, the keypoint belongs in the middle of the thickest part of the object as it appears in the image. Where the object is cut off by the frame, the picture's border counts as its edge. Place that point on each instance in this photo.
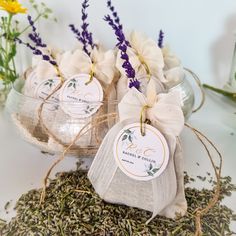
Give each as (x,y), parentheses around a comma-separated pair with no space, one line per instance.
(85,37)
(76,32)
(122,44)
(134,83)
(36,39)
(160,39)
(34,36)
(114,13)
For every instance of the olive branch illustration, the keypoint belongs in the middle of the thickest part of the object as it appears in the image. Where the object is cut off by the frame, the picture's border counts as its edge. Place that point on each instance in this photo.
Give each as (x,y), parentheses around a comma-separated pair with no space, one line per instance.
(151,170)
(49,83)
(72,84)
(128,135)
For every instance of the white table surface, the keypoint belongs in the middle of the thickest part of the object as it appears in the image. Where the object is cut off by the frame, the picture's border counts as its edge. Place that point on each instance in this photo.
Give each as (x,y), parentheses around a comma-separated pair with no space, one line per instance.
(23,166)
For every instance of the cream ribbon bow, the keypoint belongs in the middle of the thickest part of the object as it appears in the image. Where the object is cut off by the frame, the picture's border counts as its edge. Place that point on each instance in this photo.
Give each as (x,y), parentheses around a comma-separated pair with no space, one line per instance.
(170,59)
(145,56)
(163,110)
(100,63)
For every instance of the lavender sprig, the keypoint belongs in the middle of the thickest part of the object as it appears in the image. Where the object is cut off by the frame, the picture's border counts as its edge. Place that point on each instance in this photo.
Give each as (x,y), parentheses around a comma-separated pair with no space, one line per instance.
(114,13)
(85,37)
(161,39)
(76,32)
(122,44)
(34,36)
(37,52)
(117,20)
(37,40)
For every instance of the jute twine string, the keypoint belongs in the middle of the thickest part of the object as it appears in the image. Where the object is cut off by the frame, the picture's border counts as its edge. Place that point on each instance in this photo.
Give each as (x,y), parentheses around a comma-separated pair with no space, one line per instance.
(198,212)
(200,136)
(201,212)
(142,123)
(62,80)
(96,122)
(50,134)
(41,123)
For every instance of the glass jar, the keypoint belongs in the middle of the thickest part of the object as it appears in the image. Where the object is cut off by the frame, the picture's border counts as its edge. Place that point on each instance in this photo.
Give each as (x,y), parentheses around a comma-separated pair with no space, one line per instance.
(187,93)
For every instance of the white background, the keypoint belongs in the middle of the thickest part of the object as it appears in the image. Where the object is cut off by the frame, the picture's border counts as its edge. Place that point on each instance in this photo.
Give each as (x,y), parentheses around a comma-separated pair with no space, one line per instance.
(200,32)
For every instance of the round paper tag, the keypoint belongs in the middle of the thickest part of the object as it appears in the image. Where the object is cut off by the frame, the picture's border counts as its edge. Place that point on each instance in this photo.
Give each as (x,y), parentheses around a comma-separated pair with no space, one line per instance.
(141,157)
(80,98)
(47,87)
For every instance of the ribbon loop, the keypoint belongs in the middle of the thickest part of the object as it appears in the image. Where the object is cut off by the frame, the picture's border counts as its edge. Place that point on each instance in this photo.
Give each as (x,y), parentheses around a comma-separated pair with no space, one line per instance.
(91,74)
(142,124)
(165,113)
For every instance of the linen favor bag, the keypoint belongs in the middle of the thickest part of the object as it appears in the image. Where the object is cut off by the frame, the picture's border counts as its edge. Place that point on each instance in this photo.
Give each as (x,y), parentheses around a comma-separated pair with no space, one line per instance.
(162,194)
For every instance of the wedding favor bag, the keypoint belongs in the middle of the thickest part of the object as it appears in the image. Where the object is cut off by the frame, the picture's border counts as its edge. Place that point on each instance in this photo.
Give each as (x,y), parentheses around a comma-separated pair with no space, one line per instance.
(112,174)
(61,121)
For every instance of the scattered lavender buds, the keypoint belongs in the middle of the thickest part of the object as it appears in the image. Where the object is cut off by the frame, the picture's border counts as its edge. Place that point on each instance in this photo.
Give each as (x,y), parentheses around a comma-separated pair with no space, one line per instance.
(37,40)
(85,37)
(122,44)
(73,208)
(160,39)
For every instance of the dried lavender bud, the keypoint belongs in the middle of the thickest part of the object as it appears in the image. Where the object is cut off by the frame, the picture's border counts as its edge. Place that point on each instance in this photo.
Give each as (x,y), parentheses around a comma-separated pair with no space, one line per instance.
(73,208)
(161,39)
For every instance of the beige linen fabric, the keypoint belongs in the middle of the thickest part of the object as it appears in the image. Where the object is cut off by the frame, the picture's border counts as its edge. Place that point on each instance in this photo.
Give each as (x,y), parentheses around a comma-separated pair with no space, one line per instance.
(163,195)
